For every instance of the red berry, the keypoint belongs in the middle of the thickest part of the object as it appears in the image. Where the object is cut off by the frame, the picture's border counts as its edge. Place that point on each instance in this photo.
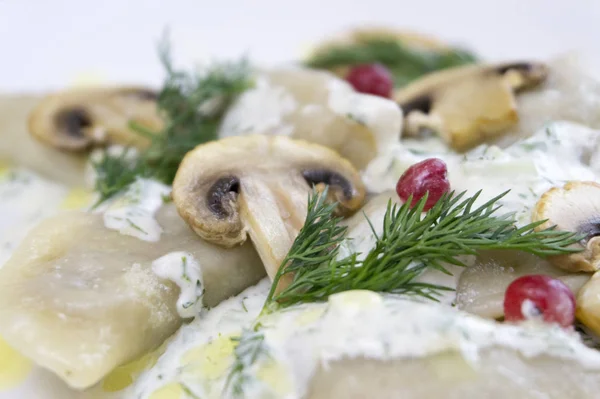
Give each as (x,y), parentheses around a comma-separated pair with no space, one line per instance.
(539,296)
(428,176)
(371,79)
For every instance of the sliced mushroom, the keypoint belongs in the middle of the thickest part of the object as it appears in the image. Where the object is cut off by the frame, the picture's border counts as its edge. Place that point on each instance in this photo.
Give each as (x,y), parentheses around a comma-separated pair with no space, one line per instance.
(259,185)
(588,304)
(467,105)
(318,107)
(576,208)
(76,120)
(19,148)
(481,286)
(80,299)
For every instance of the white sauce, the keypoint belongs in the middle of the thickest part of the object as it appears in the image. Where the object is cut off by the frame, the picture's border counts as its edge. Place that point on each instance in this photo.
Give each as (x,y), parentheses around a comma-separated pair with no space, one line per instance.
(224,321)
(300,339)
(260,110)
(559,152)
(26,200)
(132,213)
(185,271)
(382,116)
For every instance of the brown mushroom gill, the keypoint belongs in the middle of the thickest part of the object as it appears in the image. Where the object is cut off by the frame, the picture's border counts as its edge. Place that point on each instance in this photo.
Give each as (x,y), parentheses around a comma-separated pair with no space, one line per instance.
(76,120)
(258,186)
(467,105)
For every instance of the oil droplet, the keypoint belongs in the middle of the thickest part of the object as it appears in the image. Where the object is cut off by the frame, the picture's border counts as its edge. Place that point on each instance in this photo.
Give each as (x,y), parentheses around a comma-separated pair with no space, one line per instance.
(451,366)
(123,376)
(14,367)
(77,198)
(211,360)
(170,391)
(4,168)
(276,377)
(310,316)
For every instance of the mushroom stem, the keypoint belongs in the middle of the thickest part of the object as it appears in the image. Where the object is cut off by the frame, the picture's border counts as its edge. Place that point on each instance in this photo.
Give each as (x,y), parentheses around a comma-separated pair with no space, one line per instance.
(273,211)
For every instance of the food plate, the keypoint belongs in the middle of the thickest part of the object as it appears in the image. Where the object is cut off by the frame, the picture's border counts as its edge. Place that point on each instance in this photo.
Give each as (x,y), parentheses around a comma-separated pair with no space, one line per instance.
(266,233)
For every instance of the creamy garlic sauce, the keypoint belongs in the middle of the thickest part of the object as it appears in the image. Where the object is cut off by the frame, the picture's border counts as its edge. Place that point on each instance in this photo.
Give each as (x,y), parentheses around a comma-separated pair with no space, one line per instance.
(185,271)
(200,354)
(300,339)
(260,110)
(559,152)
(132,213)
(26,199)
(382,116)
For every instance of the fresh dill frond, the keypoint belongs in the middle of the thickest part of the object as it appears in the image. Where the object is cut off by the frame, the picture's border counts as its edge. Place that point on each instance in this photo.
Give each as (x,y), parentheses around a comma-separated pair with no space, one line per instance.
(192,105)
(249,349)
(406,64)
(411,242)
(115,172)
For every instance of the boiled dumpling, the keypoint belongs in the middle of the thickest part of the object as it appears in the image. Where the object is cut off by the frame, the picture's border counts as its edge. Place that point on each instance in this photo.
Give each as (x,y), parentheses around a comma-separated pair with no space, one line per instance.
(481,287)
(80,299)
(318,107)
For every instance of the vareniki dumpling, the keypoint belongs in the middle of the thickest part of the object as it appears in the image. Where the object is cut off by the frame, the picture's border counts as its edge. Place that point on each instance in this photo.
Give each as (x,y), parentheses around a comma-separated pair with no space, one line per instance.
(80,299)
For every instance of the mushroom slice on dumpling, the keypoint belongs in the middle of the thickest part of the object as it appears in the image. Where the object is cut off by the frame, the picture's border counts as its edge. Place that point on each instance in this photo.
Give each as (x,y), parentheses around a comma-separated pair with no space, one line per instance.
(467,105)
(259,186)
(19,148)
(76,120)
(80,299)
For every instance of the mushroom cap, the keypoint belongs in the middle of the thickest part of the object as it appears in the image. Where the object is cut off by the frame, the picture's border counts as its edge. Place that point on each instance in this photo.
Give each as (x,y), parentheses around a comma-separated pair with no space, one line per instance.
(468,104)
(76,120)
(574,207)
(211,177)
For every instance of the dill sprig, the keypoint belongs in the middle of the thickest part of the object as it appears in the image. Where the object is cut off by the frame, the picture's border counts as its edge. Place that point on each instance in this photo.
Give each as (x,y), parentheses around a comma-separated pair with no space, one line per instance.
(410,243)
(191,105)
(250,348)
(406,64)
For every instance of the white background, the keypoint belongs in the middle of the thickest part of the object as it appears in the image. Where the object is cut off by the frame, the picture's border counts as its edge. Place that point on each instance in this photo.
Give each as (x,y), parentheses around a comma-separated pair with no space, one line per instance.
(52,43)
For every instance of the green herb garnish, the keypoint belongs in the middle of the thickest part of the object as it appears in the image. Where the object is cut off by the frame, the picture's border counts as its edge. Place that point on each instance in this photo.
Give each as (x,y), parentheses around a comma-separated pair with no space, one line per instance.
(405,64)
(191,105)
(410,243)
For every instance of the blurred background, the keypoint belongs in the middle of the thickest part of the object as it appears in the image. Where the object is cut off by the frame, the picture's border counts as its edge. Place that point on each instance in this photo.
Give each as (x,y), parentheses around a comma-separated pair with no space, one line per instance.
(52,44)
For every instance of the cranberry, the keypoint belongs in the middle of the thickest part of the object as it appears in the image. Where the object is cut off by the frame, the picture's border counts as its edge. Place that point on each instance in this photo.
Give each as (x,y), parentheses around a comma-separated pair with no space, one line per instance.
(428,176)
(371,79)
(539,296)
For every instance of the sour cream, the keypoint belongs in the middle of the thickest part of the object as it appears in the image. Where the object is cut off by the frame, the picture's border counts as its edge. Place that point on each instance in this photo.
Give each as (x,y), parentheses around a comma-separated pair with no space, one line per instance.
(132,213)
(185,271)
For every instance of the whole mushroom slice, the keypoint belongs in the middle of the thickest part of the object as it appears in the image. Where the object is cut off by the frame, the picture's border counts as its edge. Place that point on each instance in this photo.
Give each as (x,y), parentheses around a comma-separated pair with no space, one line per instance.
(80,299)
(76,120)
(19,148)
(467,105)
(574,207)
(259,185)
